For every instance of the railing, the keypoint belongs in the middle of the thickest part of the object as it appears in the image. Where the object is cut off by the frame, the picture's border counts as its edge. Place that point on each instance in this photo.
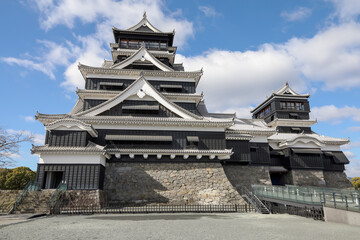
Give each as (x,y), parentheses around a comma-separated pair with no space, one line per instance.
(31,186)
(316,213)
(55,201)
(156,209)
(255,201)
(329,197)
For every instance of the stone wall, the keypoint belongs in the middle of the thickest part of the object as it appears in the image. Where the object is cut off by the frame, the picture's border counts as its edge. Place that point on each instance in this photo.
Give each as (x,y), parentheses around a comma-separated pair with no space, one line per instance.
(172,183)
(307,177)
(337,180)
(7,199)
(240,175)
(89,198)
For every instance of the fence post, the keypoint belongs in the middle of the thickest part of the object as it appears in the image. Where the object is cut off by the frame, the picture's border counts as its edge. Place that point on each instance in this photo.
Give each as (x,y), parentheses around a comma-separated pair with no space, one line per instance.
(334,200)
(324,198)
(346,203)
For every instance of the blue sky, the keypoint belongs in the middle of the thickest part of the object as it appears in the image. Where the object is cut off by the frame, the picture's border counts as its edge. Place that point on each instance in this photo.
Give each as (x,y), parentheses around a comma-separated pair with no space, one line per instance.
(247,50)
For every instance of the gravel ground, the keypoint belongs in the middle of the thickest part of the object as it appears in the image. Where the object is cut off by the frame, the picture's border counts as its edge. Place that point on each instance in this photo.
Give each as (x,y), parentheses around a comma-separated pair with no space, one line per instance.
(178,226)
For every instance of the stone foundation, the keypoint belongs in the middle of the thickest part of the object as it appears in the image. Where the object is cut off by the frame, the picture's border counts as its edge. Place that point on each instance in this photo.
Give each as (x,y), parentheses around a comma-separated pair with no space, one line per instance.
(7,199)
(337,180)
(307,178)
(171,183)
(88,198)
(240,175)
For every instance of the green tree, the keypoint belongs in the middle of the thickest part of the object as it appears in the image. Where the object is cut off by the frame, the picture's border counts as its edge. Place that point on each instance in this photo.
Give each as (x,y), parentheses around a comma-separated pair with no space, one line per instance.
(3,174)
(356,182)
(17,178)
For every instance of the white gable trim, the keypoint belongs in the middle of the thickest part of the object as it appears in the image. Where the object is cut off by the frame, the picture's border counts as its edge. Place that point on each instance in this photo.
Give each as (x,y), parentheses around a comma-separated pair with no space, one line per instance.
(141,88)
(71,125)
(142,54)
(144,22)
(302,139)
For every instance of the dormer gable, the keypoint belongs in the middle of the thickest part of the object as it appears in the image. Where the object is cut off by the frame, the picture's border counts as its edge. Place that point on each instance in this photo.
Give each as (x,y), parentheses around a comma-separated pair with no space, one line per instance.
(140,90)
(142,55)
(144,25)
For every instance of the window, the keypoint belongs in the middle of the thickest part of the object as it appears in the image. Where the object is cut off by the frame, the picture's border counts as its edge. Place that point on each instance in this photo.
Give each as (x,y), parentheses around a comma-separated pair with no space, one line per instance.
(126,43)
(299,106)
(192,142)
(282,105)
(111,86)
(266,111)
(170,88)
(290,105)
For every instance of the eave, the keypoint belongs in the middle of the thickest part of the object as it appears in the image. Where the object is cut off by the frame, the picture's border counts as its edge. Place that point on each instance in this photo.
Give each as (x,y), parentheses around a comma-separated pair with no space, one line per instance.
(136,121)
(86,70)
(291,123)
(277,96)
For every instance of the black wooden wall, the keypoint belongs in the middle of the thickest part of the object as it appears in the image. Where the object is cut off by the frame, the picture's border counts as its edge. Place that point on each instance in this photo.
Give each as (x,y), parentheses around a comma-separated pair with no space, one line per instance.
(77,176)
(67,138)
(207,140)
(117,110)
(94,84)
(259,153)
(241,150)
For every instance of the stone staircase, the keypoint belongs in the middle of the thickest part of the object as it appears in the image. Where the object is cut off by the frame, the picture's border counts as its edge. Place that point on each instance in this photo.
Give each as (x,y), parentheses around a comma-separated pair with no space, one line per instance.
(36,202)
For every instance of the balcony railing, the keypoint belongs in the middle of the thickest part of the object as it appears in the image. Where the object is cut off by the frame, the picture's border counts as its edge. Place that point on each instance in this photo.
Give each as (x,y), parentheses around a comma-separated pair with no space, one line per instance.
(329,197)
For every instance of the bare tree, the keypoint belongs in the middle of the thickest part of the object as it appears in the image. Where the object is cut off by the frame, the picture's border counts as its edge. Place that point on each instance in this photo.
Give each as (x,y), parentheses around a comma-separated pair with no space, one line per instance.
(9,145)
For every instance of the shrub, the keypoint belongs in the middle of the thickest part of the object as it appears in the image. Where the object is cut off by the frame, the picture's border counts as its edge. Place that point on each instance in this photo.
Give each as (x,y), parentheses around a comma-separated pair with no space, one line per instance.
(356,182)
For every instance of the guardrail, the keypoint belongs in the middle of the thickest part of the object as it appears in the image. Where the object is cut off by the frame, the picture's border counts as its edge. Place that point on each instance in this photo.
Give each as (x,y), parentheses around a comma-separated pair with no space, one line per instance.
(330,197)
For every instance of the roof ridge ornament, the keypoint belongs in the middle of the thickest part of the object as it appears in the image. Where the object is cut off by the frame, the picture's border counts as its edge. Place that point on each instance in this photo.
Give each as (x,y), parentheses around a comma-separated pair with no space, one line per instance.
(144,15)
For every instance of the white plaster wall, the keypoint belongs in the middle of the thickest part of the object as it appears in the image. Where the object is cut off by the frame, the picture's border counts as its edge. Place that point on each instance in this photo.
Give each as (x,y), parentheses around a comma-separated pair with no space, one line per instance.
(262,139)
(72,159)
(331,148)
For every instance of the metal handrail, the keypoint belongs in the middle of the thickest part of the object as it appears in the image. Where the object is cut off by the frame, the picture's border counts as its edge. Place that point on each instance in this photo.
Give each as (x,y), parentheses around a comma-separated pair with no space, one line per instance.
(30,186)
(255,201)
(61,188)
(344,199)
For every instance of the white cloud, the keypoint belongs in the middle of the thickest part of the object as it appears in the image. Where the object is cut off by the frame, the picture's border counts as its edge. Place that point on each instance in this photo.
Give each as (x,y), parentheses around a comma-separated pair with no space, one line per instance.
(232,78)
(346,10)
(299,13)
(209,11)
(353,170)
(29,119)
(335,115)
(351,145)
(122,14)
(11,155)
(29,64)
(51,56)
(332,54)
(354,129)
(349,154)
(93,48)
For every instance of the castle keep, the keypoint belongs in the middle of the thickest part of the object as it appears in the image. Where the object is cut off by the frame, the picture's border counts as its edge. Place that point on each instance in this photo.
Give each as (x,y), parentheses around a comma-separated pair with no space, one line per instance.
(141,133)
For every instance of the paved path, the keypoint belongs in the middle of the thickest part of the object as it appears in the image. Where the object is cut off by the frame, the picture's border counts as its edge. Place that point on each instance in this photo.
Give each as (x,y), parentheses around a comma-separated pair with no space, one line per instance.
(179,226)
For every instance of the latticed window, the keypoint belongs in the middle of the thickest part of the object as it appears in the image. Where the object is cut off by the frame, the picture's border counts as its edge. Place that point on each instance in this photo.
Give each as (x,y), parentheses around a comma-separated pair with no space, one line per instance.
(299,106)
